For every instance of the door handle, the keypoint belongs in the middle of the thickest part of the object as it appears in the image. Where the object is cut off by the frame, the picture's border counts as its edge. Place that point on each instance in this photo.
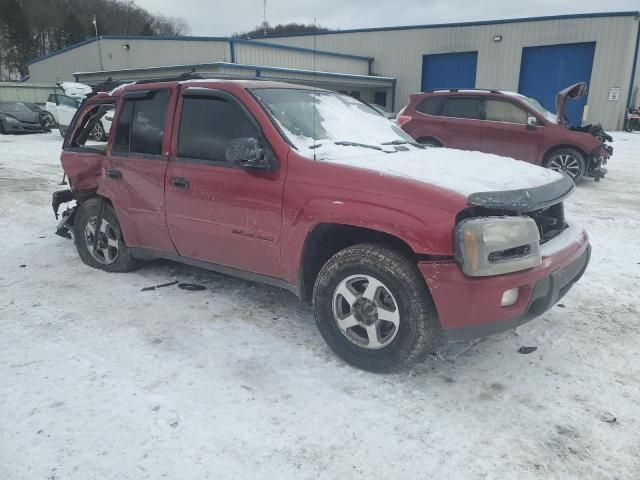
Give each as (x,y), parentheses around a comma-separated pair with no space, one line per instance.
(115,174)
(180,182)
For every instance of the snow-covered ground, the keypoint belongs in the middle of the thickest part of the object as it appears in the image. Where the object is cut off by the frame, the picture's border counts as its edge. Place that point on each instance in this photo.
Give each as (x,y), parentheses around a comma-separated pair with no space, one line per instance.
(100,380)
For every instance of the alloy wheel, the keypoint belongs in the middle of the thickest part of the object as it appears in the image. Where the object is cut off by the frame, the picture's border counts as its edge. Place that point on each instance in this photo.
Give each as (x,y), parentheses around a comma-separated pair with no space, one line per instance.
(108,247)
(565,163)
(366,312)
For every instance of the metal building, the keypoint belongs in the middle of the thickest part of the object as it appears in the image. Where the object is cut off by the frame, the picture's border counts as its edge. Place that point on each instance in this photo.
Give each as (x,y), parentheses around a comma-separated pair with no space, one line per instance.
(535,56)
(132,58)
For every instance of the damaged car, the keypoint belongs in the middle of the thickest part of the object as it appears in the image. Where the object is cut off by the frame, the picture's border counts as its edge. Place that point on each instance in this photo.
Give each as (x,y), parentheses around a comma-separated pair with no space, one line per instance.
(393,243)
(18,117)
(509,124)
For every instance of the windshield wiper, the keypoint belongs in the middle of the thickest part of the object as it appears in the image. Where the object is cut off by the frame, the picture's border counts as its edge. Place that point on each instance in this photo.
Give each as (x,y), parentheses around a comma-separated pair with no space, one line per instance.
(356,144)
(403,142)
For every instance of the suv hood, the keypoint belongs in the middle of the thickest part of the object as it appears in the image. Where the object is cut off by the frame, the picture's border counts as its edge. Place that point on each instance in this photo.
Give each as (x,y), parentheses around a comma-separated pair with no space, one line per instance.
(576,90)
(484,179)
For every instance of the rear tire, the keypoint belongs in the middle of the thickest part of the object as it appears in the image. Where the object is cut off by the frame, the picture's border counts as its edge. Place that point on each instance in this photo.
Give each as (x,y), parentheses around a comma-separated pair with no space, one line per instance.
(112,254)
(569,161)
(98,132)
(431,142)
(373,309)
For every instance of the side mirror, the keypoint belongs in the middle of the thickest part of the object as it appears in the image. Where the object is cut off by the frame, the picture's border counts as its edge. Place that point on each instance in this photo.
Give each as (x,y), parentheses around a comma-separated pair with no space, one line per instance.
(246,152)
(532,121)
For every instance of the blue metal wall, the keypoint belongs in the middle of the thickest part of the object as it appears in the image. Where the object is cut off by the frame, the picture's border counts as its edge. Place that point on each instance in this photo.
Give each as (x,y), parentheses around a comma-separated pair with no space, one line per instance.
(449,70)
(546,70)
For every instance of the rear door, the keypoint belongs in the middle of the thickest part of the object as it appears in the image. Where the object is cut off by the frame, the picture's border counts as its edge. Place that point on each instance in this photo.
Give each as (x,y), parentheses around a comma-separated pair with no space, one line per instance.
(507,133)
(134,170)
(460,122)
(216,211)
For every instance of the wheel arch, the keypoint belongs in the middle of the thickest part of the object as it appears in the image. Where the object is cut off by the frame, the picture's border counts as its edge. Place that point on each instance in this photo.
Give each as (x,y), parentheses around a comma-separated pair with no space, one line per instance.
(429,137)
(326,239)
(550,150)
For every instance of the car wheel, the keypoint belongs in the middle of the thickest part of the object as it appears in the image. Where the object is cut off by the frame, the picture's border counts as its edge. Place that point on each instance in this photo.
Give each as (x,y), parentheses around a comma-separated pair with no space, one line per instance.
(373,309)
(569,161)
(111,253)
(97,133)
(431,142)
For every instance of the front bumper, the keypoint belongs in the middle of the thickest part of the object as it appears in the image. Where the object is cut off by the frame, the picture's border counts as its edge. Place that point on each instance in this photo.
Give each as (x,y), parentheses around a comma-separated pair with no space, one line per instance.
(471,307)
(598,161)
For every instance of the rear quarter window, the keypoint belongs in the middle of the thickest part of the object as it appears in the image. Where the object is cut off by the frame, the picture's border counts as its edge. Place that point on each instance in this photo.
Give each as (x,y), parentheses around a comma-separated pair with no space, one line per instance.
(431,105)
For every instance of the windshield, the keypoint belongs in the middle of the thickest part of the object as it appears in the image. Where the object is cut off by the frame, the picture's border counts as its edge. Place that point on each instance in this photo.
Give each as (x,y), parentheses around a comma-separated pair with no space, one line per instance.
(313,120)
(536,106)
(14,107)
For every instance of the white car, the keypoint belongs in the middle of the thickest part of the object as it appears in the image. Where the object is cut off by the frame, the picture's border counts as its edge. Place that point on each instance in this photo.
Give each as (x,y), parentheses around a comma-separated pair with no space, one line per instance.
(63,107)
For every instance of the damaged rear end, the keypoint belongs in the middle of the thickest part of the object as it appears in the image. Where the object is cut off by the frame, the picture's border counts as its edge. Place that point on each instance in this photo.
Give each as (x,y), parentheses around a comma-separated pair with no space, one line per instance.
(81,160)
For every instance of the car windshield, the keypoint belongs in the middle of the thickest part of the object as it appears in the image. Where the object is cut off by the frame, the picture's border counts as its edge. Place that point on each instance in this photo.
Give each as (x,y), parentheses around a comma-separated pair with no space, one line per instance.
(13,107)
(317,119)
(537,107)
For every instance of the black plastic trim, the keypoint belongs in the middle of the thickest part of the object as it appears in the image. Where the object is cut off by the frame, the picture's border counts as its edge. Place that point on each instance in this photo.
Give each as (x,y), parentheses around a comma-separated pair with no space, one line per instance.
(146,254)
(526,199)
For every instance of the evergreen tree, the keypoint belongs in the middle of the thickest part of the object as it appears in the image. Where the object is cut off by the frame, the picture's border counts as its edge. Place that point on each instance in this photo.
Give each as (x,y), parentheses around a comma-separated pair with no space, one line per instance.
(16,36)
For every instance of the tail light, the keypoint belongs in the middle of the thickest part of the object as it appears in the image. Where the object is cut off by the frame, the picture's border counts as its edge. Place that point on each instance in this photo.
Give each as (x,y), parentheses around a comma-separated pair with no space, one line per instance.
(402,119)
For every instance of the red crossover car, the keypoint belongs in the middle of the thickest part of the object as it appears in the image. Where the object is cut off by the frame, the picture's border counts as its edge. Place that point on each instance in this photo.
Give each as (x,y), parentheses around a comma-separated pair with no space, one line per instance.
(511,125)
(315,192)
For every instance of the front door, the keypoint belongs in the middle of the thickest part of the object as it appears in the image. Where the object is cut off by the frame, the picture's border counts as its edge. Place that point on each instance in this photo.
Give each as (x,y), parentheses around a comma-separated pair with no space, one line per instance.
(506,132)
(216,211)
(134,169)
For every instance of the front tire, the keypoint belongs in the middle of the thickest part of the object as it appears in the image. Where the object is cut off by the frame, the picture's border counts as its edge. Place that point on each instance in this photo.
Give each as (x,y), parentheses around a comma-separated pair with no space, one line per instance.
(111,254)
(373,309)
(569,161)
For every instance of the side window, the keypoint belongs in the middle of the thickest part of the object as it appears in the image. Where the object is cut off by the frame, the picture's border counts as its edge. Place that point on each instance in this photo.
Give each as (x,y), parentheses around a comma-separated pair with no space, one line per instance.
(92,132)
(51,98)
(431,105)
(462,107)
(140,127)
(67,101)
(500,111)
(208,124)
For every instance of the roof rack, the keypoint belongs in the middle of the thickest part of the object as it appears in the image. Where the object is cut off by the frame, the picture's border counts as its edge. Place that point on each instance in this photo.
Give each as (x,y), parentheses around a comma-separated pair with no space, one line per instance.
(109,84)
(463,90)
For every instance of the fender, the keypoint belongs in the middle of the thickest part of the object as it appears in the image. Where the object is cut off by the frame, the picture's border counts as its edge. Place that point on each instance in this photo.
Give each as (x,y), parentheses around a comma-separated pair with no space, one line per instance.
(434,236)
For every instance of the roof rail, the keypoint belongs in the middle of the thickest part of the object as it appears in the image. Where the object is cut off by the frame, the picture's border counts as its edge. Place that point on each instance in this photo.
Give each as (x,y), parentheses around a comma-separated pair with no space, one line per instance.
(463,90)
(109,84)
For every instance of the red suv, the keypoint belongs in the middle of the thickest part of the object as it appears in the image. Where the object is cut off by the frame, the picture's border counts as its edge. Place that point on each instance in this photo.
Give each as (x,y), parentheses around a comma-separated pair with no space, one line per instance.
(315,192)
(508,124)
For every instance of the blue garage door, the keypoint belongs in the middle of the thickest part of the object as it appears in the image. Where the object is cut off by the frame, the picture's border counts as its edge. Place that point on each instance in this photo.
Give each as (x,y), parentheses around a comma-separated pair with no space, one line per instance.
(547,70)
(449,70)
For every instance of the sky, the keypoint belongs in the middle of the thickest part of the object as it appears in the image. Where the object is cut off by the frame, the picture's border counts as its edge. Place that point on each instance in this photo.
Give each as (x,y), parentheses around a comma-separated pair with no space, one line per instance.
(211,17)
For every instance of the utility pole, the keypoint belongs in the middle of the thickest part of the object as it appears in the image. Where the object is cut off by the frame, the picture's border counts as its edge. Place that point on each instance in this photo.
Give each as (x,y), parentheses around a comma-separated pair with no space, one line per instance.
(264,17)
(95,26)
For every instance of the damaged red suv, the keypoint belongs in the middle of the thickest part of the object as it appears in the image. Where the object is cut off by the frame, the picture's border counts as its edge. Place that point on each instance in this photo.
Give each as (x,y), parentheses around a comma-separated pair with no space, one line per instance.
(511,125)
(315,192)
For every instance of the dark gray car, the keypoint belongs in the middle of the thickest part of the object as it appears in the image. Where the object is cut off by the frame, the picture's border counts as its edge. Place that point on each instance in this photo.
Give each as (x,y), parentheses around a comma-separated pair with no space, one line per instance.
(16,117)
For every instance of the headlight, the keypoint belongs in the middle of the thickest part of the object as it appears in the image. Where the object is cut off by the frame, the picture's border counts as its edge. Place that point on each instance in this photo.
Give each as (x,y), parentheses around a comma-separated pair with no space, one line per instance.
(10,119)
(497,245)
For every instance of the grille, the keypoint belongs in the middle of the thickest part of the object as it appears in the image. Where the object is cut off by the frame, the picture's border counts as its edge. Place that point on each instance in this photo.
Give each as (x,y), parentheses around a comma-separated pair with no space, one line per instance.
(550,221)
